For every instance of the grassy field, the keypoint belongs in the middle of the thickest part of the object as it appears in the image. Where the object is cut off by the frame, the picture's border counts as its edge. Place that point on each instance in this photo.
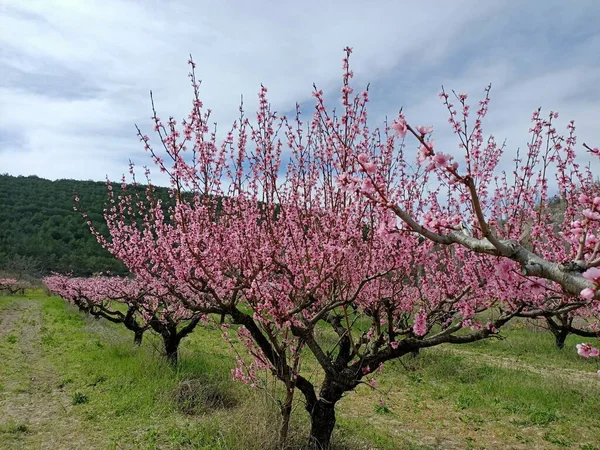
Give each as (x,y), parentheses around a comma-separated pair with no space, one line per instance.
(70,382)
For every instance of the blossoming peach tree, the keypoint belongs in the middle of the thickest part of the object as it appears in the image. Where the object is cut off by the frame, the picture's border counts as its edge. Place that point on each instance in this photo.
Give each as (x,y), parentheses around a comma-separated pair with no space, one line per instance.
(100,297)
(330,245)
(8,285)
(13,285)
(128,301)
(584,322)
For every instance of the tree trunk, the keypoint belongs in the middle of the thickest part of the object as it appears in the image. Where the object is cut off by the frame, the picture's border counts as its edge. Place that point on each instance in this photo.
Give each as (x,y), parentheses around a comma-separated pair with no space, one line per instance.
(171,347)
(560,337)
(561,331)
(137,337)
(286,414)
(322,422)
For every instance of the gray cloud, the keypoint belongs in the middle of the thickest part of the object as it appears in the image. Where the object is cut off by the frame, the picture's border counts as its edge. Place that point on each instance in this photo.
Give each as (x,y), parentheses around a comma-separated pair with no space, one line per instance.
(75,75)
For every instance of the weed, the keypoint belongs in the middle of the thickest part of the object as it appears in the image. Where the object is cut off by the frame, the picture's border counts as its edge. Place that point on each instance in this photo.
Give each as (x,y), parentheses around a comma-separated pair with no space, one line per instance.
(556,440)
(201,395)
(13,427)
(381,408)
(79,399)
(543,417)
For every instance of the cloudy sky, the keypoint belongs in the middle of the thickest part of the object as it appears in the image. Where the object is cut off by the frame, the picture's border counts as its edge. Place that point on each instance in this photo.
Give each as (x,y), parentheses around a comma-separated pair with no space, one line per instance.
(75,74)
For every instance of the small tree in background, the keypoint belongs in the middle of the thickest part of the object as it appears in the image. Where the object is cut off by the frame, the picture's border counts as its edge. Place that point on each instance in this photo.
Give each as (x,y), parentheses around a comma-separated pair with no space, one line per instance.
(130,302)
(103,297)
(583,322)
(9,285)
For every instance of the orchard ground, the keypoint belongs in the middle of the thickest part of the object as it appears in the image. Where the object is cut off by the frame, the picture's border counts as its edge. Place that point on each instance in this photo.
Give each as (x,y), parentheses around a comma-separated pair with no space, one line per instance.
(70,382)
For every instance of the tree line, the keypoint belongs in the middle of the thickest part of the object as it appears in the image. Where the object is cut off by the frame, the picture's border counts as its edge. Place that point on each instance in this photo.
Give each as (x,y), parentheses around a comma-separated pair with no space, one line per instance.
(41,233)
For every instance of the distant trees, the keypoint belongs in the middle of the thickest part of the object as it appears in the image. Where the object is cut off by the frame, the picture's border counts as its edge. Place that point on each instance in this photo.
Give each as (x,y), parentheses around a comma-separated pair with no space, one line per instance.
(38,225)
(130,302)
(564,324)
(10,286)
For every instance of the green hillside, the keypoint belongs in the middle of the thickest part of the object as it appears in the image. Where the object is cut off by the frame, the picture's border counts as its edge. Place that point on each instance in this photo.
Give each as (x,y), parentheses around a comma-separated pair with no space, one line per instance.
(40,232)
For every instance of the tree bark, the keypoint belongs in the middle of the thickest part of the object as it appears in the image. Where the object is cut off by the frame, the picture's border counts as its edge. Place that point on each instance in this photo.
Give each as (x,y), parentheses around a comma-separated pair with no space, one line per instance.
(171,347)
(286,414)
(560,337)
(560,331)
(322,422)
(137,337)
(322,413)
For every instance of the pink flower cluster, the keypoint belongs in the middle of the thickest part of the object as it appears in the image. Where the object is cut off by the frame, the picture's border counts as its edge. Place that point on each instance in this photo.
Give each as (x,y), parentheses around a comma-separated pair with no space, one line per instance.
(593,275)
(7,282)
(420,326)
(587,351)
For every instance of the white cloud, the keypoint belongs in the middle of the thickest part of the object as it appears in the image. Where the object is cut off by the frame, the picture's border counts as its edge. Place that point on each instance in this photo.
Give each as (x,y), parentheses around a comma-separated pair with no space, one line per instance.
(77,73)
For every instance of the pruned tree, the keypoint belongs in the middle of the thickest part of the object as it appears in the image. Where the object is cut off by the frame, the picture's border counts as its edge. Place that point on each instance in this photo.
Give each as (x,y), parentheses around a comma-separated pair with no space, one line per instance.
(289,232)
(130,302)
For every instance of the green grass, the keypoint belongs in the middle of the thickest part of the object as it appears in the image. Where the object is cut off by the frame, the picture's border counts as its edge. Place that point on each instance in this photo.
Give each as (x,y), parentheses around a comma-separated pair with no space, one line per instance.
(520,392)
(532,344)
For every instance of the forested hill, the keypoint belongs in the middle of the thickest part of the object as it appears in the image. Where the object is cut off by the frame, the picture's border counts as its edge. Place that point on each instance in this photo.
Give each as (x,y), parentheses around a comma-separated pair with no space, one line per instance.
(40,232)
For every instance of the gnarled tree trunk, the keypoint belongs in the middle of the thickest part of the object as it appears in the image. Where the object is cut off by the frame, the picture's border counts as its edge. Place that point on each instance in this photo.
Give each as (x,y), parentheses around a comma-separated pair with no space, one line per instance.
(171,342)
(560,337)
(137,337)
(322,423)
(172,336)
(322,414)
(560,331)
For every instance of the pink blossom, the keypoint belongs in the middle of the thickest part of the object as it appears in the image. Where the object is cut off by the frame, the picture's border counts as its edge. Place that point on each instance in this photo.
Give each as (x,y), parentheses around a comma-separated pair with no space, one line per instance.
(367,186)
(424,130)
(592,274)
(587,351)
(504,270)
(592,215)
(424,151)
(370,168)
(420,326)
(491,328)
(536,287)
(399,126)
(363,158)
(587,293)
(441,159)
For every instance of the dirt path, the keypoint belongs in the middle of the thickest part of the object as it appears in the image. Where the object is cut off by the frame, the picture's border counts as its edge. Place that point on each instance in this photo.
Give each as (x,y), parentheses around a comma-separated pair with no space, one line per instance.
(34,410)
